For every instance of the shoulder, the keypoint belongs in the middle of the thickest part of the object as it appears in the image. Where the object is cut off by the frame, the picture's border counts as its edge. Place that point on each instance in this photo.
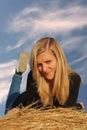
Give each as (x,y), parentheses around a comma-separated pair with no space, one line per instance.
(75,76)
(30,76)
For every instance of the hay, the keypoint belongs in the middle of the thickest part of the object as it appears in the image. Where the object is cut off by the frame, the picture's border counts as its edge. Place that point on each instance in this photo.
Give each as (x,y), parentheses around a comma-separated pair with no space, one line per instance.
(51,119)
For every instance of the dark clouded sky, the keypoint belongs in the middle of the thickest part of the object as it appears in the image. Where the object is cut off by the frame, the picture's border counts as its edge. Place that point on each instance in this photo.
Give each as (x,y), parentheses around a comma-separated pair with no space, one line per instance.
(22,22)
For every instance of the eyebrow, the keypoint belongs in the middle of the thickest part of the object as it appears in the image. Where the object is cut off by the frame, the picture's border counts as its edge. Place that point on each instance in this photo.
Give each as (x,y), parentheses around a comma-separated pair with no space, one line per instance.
(45,61)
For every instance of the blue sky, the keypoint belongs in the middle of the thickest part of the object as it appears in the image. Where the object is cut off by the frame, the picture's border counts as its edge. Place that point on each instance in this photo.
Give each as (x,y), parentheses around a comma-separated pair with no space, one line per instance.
(22,22)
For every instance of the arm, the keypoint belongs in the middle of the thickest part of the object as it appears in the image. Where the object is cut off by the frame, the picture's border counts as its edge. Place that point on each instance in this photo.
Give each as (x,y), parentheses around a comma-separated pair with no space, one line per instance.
(13,92)
(75,81)
(31,89)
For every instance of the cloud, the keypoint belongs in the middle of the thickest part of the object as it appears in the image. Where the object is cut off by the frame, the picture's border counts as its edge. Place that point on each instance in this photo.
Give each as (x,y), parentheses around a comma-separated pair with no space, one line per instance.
(74,43)
(23,20)
(35,22)
(20,43)
(27,11)
(6,72)
(6,78)
(8,68)
(37,19)
(78,60)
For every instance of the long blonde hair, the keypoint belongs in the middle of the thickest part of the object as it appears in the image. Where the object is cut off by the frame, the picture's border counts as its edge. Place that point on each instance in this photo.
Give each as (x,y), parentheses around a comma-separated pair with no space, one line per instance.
(61,82)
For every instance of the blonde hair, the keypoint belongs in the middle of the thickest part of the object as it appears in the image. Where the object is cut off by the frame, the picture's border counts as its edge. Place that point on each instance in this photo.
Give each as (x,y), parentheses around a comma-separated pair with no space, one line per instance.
(61,82)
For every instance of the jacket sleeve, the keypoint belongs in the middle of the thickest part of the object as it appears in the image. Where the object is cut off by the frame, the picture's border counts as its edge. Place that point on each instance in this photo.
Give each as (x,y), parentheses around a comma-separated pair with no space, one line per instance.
(74,86)
(31,89)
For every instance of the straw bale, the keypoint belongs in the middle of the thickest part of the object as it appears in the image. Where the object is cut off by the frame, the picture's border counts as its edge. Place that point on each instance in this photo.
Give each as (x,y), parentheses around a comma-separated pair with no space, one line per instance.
(39,119)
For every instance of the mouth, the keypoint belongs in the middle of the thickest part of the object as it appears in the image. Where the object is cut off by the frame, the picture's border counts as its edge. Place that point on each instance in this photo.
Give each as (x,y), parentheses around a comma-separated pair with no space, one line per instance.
(48,73)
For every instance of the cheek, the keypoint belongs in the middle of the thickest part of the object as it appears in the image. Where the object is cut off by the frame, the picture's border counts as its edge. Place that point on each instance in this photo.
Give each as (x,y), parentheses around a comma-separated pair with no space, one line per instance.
(55,65)
(39,69)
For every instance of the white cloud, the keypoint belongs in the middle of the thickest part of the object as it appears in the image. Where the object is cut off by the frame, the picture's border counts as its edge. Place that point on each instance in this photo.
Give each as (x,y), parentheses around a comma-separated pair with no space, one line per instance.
(59,21)
(8,68)
(21,42)
(22,21)
(27,11)
(6,72)
(4,90)
(74,43)
(78,60)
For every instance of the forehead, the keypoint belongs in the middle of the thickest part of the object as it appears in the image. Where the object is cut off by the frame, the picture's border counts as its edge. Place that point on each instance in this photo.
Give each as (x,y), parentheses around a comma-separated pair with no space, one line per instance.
(46,55)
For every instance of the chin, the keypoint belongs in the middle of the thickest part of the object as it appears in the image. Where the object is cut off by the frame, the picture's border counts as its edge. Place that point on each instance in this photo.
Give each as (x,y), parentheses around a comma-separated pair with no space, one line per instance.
(50,78)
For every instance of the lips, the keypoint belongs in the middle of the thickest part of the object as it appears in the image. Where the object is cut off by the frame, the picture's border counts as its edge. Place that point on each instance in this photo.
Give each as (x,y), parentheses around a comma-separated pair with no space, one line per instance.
(48,73)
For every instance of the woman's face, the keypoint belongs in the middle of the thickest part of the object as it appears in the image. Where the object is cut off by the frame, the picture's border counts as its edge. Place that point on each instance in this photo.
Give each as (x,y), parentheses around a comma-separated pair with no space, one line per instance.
(46,64)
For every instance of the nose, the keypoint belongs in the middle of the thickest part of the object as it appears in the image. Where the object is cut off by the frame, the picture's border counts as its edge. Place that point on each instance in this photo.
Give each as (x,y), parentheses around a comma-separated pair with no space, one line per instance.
(44,68)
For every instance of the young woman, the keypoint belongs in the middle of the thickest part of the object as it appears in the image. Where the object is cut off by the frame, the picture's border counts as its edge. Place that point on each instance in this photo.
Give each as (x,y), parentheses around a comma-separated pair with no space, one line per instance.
(50,82)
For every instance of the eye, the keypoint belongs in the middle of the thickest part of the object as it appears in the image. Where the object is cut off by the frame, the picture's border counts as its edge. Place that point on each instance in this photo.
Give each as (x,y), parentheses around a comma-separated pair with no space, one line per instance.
(48,62)
(39,65)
